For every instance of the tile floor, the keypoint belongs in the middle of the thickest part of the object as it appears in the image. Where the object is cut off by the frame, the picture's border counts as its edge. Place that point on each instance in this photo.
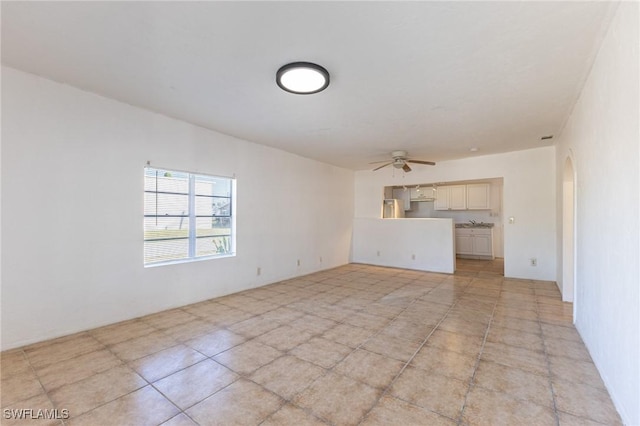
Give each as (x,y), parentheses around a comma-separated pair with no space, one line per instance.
(352,345)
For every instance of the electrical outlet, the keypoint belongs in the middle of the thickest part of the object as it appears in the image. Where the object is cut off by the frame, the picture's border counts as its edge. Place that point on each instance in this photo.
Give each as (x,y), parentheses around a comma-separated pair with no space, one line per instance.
(298,262)
(320,259)
(413,257)
(378,253)
(534,261)
(259,271)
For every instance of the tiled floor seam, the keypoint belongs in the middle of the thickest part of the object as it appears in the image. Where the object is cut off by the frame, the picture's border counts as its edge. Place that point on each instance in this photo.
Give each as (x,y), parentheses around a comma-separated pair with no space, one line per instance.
(240,376)
(287,353)
(72,417)
(329,370)
(548,362)
(475,367)
(545,315)
(180,411)
(35,373)
(246,377)
(47,393)
(586,420)
(184,411)
(386,389)
(126,364)
(326,372)
(287,402)
(91,331)
(359,347)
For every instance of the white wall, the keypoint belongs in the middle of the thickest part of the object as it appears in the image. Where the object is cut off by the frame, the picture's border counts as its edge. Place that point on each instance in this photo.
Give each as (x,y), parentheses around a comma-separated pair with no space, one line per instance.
(528,196)
(602,137)
(420,244)
(72,186)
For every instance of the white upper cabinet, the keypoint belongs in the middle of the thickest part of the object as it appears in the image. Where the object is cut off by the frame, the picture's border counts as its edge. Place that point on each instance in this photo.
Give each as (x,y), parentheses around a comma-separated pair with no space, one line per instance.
(478,196)
(451,197)
(458,197)
(442,198)
(463,197)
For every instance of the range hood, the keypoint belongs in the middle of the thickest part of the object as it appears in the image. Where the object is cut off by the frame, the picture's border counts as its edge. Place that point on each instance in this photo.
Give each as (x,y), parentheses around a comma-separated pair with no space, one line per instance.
(423,194)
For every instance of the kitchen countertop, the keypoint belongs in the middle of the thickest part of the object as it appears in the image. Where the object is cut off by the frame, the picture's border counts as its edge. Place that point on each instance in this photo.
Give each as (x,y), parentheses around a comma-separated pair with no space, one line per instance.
(476,225)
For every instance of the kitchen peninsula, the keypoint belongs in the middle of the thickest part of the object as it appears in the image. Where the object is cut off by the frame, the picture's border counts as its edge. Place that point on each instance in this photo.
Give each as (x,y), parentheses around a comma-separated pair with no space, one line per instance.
(425,244)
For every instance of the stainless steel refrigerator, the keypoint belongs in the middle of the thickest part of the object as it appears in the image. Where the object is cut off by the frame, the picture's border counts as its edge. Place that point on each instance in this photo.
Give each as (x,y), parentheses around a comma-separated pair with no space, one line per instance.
(392,208)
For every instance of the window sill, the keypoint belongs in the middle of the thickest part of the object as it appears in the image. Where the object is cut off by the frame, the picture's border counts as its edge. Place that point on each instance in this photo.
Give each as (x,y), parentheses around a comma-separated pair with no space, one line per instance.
(180,261)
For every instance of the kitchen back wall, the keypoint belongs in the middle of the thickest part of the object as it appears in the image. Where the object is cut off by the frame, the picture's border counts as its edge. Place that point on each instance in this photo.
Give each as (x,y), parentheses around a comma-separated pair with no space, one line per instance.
(529,196)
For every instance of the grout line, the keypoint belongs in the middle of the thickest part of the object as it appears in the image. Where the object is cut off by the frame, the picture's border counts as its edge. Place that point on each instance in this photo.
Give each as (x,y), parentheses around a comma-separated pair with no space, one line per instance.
(318,334)
(388,387)
(44,390)
(327,371)
(548,362)
(343,283)
(475,368)
(47,393)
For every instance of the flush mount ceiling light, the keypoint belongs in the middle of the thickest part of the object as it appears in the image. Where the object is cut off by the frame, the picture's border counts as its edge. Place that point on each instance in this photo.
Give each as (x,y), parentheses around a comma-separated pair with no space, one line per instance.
(302,78)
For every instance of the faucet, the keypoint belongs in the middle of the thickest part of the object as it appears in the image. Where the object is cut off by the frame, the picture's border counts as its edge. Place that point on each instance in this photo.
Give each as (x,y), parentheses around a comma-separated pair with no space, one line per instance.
(473,222)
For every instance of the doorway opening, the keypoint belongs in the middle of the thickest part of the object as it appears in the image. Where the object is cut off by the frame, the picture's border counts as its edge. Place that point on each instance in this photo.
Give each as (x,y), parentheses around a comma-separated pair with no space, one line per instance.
(568,234)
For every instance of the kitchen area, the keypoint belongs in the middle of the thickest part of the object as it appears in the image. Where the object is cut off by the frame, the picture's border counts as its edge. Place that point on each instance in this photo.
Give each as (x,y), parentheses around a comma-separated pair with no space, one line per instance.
(428,226)
(475,207)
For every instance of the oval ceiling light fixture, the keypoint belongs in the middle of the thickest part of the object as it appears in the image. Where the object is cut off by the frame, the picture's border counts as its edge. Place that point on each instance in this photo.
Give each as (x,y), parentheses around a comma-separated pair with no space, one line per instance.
(302,78)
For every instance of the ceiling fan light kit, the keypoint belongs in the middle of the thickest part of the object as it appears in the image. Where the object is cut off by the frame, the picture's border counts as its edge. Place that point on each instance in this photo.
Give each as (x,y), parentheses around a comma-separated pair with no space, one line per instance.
(302,78)
(400,160)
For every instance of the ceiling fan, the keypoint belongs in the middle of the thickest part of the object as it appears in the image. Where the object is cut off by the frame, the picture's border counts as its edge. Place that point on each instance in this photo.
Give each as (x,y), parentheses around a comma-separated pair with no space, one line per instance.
(400,160)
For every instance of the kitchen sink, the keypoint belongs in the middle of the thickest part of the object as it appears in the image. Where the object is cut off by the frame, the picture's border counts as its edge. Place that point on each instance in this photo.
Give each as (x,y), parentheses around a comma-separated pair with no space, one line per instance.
(474,225)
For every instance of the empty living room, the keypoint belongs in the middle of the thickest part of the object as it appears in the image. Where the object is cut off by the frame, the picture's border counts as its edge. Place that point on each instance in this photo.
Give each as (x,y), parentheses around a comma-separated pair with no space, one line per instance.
(320,213)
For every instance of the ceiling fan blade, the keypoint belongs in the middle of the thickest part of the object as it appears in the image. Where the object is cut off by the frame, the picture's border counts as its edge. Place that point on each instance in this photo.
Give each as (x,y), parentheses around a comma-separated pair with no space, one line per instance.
(378,162)
(406,168)
(379,167)
(430,163)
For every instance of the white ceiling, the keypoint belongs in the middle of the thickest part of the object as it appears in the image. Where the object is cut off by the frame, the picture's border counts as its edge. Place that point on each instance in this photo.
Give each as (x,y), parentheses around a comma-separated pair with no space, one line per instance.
(432,78)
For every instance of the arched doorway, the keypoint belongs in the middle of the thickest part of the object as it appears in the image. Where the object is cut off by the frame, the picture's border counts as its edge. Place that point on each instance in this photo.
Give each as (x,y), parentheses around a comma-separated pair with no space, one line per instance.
(568,233)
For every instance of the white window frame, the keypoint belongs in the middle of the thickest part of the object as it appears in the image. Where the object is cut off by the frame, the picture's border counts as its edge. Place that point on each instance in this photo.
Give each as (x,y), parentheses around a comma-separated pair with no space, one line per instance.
(192,217)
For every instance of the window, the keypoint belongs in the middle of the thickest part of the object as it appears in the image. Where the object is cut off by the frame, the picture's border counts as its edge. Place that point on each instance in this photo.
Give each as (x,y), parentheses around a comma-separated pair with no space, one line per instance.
(187,216)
